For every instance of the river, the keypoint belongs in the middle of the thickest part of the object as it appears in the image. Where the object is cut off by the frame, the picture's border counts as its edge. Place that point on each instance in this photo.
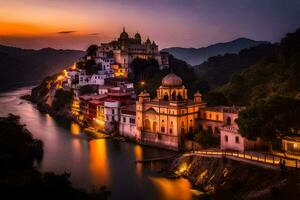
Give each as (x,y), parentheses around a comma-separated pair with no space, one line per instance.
(94,163)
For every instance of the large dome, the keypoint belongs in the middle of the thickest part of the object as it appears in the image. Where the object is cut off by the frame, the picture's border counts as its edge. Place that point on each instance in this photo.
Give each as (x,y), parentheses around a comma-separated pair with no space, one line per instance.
(171,80)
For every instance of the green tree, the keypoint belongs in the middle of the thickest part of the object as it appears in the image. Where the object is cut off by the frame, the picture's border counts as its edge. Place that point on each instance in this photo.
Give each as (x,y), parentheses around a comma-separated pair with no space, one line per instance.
(92,50)
(270,118)
(206,138)
(62,99)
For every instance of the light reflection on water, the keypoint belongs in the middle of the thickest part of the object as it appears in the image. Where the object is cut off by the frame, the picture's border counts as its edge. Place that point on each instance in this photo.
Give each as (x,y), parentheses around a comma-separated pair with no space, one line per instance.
(97,162)
(178,189)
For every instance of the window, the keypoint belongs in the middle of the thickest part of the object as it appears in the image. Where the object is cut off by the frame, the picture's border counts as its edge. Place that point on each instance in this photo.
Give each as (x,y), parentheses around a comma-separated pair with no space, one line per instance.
(226,138)
(182,130)
(217,117)
(170,131)
(228,121)
(113,111)
(132,120)
(124,119)
(237,139)
(162,129)
(113,118)
(147,124)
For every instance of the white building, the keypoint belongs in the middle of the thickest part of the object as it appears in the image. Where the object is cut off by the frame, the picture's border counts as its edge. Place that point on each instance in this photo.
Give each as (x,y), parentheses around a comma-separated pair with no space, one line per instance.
(127,127)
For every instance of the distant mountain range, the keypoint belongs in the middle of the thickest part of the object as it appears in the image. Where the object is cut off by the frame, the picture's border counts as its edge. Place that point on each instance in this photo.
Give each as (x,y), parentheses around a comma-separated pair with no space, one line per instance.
(195,56)
(19,66)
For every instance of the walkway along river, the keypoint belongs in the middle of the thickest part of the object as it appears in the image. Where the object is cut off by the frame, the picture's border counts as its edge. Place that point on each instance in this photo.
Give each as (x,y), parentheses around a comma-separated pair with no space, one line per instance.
(93,163)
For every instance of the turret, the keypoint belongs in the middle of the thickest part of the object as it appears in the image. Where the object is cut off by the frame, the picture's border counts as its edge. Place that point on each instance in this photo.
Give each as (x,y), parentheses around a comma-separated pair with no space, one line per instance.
(144,96)
(197,97)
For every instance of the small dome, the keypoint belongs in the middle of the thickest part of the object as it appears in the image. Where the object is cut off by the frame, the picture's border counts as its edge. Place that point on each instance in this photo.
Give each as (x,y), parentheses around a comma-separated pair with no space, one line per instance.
(124,35)
(144,93)
(137,36)
(197,94)
(171,80)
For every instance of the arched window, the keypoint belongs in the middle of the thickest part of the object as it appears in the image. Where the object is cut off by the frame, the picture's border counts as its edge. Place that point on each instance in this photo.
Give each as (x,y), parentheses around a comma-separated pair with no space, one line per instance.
(237,139)
(170,131)
(226,138)
(147,125)
(228,121)
(162,129)
(182,130)
(166,97)
(216,130)
(179,96)
(154,126)
(173,95)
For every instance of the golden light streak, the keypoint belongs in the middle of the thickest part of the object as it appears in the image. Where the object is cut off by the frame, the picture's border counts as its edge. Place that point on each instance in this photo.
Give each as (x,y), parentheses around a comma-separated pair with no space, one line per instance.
(179,189)
(99,164)
(138,153)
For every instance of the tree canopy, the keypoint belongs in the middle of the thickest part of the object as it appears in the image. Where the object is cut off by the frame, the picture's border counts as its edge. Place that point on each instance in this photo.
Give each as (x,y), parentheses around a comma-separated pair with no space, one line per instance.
(270,118)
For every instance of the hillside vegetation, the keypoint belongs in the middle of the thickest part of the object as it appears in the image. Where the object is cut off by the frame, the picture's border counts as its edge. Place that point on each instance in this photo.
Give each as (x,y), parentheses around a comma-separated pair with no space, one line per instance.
(25,65)
(195,56)
(273,74)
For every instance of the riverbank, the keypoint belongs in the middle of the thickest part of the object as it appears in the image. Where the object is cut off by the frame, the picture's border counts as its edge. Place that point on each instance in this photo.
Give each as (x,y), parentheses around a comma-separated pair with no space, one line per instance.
(64,116)
(218,178)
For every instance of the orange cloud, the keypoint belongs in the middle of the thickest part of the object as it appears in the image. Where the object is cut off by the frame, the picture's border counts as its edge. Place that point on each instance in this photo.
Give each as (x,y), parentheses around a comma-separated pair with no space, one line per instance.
(21,29)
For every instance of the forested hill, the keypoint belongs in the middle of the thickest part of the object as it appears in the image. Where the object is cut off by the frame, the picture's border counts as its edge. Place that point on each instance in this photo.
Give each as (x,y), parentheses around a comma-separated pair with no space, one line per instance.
(196,56)
(277,74)
(25,65)
(217,70)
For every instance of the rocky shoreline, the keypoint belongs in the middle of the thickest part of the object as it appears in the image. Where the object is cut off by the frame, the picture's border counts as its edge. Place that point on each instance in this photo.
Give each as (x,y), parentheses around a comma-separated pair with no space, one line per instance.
(221,178)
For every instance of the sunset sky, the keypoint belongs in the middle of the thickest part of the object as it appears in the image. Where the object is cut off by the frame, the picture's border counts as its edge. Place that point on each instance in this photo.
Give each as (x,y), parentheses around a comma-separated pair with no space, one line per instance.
(75,24)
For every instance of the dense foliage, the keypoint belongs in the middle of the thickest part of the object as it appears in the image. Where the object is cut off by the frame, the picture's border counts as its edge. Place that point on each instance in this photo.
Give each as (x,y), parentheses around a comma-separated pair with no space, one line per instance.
(62,99)
(277,74)
(217,70)
(146,75)
(270,118)
(18,177)
(205,138)
(88,89)
(90,66)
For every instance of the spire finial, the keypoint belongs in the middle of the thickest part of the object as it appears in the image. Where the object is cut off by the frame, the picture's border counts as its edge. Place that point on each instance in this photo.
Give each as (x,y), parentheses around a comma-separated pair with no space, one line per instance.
(123,28)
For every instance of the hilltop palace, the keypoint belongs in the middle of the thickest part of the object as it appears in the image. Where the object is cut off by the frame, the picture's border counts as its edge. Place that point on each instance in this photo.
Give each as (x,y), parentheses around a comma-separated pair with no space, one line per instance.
(162,121)
(114,60)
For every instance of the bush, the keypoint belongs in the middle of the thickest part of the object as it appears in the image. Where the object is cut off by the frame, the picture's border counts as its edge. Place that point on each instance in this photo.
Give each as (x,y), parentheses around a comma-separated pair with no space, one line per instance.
(62,99)
(206,139)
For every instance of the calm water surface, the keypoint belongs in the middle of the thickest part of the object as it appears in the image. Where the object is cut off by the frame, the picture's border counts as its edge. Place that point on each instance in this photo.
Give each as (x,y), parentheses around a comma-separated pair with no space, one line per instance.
(97,162)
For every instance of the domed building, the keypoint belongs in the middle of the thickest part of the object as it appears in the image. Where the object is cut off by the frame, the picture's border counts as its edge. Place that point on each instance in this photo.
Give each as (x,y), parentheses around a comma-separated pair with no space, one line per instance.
(162,121)
(124,35)
(125,49)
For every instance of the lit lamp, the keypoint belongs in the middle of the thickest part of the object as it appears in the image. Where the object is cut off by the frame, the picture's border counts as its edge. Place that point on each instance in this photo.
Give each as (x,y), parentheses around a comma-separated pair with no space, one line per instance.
(143,83)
